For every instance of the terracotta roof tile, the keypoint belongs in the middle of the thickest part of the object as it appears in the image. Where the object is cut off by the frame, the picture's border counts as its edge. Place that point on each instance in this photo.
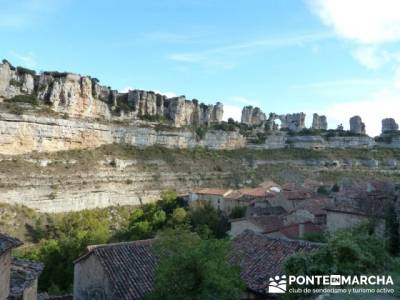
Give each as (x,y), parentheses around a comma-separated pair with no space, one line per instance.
(8,242)
(212,191)
(260,257)
(23,274)
(130,267)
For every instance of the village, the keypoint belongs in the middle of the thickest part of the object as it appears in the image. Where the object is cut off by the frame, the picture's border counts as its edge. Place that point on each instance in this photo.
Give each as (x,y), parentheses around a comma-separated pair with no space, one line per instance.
(268,224)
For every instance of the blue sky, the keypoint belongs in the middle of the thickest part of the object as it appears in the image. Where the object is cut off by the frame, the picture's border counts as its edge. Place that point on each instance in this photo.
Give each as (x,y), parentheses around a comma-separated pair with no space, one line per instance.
(336,57)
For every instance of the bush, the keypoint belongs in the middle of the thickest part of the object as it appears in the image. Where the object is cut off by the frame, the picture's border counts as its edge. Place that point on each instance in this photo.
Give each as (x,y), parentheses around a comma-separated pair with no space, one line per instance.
(348,252)
(238,212)
(201,132)
(323,190)
(30,99)
(23,71)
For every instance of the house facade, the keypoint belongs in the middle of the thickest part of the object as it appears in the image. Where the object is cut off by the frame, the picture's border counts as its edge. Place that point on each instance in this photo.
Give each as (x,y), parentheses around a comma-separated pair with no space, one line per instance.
(18,277)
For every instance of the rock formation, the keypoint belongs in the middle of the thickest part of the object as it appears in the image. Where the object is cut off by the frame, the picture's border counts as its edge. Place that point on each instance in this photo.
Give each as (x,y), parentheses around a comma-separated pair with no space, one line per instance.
(83,97)
(356,125)
(290,122)
(319,122)
(15,81)
(253,116)
(389,124)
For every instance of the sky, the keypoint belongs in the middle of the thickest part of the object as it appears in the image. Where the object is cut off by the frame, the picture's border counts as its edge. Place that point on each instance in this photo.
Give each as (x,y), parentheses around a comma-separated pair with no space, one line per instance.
(334,57)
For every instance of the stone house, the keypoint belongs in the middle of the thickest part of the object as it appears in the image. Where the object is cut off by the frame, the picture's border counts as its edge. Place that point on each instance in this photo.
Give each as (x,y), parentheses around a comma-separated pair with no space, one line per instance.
(125,271)
(342,217)
(360,203)
(213,196)
(226,200)
(18,277)
(273,226)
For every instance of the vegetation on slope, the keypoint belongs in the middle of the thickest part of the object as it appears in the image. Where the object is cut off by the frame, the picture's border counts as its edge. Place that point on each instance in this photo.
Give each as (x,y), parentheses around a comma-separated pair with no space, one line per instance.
(62,240)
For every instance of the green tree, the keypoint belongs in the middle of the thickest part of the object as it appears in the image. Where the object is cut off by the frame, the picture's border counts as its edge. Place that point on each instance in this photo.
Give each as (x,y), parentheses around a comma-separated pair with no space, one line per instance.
(207,219)
(195,269)
(348,252)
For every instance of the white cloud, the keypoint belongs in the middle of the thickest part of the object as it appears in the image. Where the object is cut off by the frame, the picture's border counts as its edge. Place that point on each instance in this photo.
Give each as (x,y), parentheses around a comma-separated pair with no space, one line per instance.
(168,94)
(226,56)
(364,21)
(372,57)
(340,83)
(17,14)
(370,26)
(379,106)
(244,100)
(27,60)
(232,111)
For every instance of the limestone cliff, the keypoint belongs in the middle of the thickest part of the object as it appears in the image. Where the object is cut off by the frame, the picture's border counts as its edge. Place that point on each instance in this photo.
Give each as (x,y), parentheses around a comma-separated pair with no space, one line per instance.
(83,97)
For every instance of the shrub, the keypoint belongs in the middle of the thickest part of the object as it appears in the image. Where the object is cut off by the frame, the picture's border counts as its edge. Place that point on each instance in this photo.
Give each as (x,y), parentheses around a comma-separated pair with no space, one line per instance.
(201,132)
(30,99)
(238,212)
(323,190)
(23,71)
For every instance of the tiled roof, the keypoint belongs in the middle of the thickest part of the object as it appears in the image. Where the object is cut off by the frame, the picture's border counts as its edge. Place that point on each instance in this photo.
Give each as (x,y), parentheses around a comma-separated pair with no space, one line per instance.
(260,257)
(258,192)
(268,223)
(8,242)
(254,211)
(297,195)
(268,184)
(23,274)
(369,199)
(130,267)
(293,231)
(233,196)
(212,191)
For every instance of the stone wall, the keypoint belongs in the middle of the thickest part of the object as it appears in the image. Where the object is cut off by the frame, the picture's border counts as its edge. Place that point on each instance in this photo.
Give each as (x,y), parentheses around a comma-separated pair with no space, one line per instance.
(5,266)
(90,280)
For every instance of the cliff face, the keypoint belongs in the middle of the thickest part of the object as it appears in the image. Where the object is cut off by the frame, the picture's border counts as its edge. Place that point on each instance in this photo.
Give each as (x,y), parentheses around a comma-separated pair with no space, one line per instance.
(27,133)
(83,97)
(14,81)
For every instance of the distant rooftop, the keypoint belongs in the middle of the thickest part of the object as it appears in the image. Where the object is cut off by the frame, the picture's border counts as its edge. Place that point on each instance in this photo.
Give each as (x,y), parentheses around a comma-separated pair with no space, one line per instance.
(260,257)
(23,275)
(130,267)
(8,242)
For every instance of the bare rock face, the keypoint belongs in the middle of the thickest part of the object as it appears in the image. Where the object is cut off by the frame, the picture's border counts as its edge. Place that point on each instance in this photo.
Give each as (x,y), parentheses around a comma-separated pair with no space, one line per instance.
(253,116)
(73,94)
(83,97)
(319,122)
(15,81)
(293,122)
(389,124)
(356,125)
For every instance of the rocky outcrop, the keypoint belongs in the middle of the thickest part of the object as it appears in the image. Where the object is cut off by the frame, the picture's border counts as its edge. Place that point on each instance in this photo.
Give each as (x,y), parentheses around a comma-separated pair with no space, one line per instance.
(184,112)
(289,122)
(356,125)
(319,122)
(15,81)
(389,124)
(75,95)
(253,116)
(83,97)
